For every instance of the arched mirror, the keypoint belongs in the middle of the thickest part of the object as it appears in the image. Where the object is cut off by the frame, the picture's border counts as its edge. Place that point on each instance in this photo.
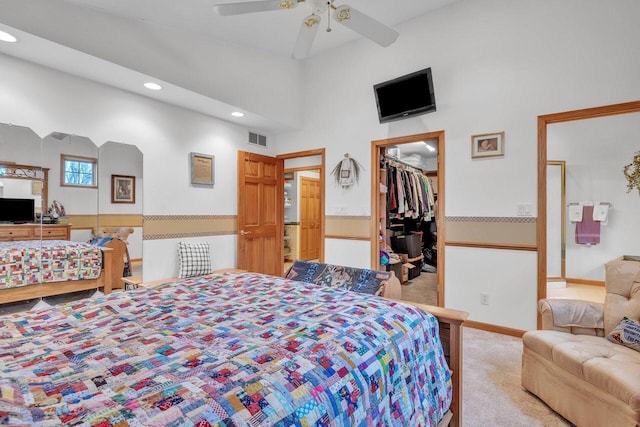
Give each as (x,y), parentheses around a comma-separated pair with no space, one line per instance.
(73,183)
(586,213)
(21,174)
(120,200)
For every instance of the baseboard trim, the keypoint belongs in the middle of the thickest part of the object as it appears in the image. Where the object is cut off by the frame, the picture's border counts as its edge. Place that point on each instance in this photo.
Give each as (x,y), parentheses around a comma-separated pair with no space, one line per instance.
(585,282)
(518,333)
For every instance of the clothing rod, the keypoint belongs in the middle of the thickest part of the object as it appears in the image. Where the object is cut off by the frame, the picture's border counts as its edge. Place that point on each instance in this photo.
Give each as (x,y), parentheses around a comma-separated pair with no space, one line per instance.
(394,159)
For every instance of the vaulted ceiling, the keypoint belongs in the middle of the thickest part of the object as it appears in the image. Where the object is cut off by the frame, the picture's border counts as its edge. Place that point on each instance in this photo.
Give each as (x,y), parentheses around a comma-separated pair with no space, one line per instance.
(120,42)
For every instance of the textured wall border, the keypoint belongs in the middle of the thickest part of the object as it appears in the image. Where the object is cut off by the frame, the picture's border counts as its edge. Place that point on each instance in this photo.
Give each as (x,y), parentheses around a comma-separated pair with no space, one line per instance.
(350,227)
(161,227)
(502,219)
(500,232)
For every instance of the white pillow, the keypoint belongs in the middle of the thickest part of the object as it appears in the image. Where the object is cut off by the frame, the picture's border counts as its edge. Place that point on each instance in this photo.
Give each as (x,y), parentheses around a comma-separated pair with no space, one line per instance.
(194,259)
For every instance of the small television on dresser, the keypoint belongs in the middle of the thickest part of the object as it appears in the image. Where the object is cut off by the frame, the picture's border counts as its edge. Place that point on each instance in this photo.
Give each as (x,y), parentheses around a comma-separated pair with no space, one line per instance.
(17,211)
(405,96)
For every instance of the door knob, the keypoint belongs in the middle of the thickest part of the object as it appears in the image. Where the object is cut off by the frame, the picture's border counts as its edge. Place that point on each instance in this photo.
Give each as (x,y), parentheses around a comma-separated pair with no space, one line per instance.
(244,233)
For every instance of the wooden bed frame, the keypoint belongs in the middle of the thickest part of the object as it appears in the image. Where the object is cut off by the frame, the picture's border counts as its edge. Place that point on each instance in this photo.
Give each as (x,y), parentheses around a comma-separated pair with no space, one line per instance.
(109,279)
(450,325)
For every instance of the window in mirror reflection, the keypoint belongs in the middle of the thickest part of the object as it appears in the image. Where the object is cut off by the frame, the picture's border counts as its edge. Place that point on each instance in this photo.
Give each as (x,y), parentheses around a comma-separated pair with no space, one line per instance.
(78,171)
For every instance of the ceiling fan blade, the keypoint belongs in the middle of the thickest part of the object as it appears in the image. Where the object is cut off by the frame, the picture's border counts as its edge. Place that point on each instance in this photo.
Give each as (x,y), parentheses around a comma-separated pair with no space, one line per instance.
(365,25)
(307,34)
(253,6)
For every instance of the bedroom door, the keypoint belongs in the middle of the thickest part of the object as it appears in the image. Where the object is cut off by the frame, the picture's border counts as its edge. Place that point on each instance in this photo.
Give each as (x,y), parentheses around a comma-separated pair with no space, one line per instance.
(260,213)
(309,218)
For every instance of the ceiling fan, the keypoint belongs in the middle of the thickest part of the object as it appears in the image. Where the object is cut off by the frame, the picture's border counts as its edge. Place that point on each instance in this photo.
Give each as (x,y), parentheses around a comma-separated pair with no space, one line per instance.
(345,15)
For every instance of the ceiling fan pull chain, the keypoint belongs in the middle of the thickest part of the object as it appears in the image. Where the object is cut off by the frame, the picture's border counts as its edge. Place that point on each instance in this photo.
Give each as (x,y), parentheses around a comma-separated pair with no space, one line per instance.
(329,16)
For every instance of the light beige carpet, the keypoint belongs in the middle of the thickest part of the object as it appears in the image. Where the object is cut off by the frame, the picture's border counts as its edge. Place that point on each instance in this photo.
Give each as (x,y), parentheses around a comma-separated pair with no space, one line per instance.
(422,289)
(492,394)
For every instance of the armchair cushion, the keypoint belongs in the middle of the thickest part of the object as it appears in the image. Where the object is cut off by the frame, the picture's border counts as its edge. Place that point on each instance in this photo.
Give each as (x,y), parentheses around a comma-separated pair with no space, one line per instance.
(626,333)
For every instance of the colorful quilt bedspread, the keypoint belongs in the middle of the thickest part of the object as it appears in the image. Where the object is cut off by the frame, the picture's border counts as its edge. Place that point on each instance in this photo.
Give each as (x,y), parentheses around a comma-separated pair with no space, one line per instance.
(28,262)
(224,350)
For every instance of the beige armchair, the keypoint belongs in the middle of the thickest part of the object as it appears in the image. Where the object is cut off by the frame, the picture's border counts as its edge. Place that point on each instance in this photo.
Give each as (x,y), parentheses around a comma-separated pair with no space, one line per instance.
(570,364)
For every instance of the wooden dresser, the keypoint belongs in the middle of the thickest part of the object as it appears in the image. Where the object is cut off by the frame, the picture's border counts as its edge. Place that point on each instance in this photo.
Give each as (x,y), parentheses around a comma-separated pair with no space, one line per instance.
(12,232)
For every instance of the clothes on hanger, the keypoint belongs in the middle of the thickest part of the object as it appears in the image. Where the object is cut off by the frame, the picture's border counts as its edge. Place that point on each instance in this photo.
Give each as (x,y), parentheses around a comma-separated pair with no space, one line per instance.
(409,192)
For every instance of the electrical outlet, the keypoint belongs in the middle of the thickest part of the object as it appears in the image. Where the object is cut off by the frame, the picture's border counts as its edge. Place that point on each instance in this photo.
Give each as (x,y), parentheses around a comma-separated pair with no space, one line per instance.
(484,299)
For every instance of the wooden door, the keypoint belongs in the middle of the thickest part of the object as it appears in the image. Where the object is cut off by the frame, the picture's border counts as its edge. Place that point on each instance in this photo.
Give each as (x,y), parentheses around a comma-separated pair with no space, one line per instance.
(309,218)
(260,213)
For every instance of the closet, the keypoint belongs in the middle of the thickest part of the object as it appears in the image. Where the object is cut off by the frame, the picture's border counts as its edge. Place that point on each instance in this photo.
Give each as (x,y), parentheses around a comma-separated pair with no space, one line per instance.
(408,224)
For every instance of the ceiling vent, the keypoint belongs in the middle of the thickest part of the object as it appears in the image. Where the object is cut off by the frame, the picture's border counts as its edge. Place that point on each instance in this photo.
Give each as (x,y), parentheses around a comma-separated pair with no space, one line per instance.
(257,139)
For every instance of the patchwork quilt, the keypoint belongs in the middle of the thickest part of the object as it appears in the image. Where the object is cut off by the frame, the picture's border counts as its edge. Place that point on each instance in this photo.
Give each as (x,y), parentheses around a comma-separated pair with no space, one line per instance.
(224,350)
(28,262)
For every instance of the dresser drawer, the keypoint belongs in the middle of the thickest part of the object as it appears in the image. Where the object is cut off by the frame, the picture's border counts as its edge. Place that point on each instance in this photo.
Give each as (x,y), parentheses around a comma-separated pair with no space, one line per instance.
(17,234)
(58,233)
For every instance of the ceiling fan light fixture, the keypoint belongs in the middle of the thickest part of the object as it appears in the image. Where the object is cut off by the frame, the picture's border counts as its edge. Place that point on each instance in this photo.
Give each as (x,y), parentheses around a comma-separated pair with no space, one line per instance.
(343,14)
(287,4)
(311,21)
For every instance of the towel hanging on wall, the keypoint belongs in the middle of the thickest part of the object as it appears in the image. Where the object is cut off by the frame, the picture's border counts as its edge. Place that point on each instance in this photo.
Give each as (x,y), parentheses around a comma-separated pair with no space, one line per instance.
(601,213)
(588,230)
(575,212)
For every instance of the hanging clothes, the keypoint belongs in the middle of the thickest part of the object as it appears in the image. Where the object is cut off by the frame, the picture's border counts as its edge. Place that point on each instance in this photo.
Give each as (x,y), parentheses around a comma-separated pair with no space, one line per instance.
(409,192)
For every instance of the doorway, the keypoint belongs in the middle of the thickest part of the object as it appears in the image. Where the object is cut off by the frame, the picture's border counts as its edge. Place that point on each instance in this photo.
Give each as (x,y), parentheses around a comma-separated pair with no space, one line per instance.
(414,229)
(303,207)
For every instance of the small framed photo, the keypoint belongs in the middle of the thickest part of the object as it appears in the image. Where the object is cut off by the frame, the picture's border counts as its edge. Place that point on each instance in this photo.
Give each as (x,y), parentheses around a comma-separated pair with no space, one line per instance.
(202,169)
(123,189)
(487,145)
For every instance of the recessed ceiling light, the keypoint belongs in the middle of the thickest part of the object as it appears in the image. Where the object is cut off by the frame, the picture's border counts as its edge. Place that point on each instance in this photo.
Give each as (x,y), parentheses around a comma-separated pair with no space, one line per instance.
(153,86)
(237,114)
(6,37)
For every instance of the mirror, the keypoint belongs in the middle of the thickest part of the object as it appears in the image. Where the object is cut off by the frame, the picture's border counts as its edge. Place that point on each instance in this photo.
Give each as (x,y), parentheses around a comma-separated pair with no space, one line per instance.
(594,152)
(73,182)
(21,172)
(120,199)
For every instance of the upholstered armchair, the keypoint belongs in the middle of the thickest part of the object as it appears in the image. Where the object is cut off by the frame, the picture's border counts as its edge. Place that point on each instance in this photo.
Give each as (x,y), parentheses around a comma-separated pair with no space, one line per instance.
(584,363)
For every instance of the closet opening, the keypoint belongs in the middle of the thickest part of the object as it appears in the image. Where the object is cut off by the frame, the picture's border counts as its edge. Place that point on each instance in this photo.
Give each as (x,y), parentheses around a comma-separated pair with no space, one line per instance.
(407,198)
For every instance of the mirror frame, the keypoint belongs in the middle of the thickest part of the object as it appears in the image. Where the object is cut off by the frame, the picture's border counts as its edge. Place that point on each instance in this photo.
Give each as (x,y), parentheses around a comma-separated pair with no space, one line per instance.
(26,173)
(543,122)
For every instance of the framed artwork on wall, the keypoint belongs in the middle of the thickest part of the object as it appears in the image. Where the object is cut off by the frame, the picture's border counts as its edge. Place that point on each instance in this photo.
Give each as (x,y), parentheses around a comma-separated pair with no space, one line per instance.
(123,189)
(487,145)
(202,169)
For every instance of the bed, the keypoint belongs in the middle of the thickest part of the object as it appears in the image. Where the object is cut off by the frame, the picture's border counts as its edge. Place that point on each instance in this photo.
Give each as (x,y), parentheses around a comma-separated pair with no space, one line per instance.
(232,349)
(39,268)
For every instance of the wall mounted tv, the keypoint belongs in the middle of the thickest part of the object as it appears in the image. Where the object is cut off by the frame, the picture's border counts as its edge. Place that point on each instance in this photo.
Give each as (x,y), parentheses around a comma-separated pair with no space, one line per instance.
(17,211)
(405,96)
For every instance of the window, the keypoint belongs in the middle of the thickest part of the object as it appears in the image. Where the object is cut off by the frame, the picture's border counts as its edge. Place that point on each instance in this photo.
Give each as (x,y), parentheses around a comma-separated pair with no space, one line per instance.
(78,171)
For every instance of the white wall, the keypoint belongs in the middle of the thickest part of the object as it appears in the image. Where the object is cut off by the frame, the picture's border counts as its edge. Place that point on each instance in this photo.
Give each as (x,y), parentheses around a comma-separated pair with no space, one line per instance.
(497,65)
(38,97)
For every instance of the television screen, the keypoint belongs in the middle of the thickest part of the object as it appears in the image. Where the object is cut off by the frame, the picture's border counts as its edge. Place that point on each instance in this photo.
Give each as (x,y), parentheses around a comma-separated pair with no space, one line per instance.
(405,96)
(17,210)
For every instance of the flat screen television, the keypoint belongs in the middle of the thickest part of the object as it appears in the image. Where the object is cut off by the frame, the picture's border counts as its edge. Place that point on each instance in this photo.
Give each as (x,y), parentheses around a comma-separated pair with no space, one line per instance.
(405,96)
(17,210)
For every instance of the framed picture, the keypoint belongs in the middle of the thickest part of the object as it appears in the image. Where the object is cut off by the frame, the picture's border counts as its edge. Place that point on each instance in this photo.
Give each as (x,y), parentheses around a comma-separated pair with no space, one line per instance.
(487,145)
(202,169)
(123,189)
